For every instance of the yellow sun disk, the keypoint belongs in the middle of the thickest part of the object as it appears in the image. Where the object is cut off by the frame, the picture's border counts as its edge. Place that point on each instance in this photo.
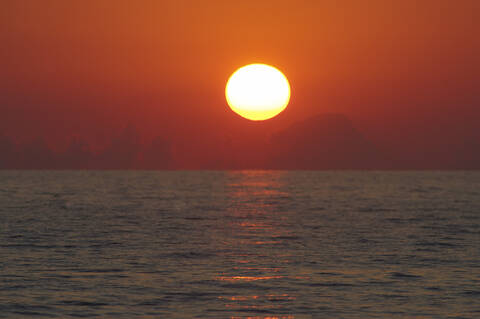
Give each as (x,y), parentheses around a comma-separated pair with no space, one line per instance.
(257,92)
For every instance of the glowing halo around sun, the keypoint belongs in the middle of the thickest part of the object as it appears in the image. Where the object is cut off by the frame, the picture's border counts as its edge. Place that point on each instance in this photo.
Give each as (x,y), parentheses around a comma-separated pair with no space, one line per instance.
(257,92)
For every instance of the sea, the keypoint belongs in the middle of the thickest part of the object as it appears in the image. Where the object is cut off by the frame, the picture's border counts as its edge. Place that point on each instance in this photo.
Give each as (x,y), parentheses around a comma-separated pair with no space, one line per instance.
(240,244)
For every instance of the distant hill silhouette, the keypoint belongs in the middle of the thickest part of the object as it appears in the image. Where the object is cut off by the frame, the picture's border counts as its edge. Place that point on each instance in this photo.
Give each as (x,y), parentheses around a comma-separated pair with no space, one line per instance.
(36,155)
(157,155)
(77,155)
(123,151)
(328,141)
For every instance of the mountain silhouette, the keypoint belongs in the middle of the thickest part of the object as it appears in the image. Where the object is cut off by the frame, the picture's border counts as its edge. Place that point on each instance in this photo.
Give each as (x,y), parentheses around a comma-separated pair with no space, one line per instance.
(158,154)
(327,141)
(123,151)
(37,154)
(77,155)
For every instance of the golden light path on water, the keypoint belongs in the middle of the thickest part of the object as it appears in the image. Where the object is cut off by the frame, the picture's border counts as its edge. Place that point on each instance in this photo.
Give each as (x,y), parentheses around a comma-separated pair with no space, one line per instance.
(240,244)
(259,227)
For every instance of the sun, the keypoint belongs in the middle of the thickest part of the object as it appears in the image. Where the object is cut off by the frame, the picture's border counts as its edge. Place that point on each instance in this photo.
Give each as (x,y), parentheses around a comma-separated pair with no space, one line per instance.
(257,92)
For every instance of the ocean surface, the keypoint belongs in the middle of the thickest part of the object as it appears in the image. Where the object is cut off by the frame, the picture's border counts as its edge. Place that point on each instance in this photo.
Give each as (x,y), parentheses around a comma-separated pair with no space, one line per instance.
(239,244)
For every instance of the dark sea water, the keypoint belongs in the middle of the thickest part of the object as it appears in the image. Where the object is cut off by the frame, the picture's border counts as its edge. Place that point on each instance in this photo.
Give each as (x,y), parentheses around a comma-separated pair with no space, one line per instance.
(240,244)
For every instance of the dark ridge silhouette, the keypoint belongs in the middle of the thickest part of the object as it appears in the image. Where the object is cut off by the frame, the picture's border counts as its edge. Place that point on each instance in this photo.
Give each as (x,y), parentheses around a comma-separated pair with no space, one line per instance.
(77,156)
(327,141)
(123,152)
(36,155)
(158,155)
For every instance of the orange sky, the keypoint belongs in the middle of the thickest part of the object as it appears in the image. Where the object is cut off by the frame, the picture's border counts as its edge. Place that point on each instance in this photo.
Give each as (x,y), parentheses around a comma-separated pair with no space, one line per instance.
(401,70)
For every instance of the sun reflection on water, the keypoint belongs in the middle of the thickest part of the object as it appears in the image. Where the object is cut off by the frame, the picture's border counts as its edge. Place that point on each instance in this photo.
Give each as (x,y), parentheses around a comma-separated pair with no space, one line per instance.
(260,228)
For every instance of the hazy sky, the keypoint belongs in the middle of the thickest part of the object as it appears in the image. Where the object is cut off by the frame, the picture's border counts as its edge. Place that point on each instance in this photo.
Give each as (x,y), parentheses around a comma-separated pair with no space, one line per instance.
(406,72)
